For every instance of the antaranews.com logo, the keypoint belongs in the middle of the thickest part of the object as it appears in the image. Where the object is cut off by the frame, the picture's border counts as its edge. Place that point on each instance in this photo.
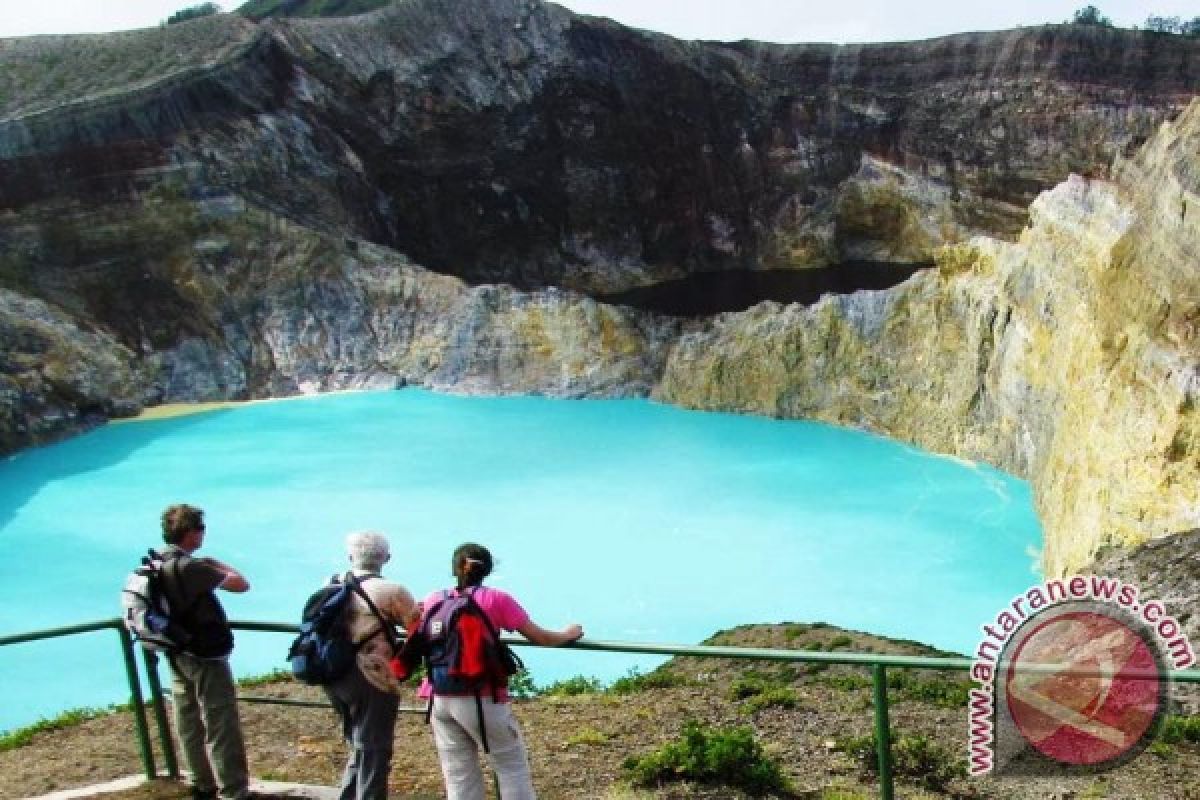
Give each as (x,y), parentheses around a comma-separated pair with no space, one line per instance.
(1073,676)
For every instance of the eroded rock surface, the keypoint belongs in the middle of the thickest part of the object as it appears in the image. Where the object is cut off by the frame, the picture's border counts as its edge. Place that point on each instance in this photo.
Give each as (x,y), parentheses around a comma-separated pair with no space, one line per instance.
(259,214)
(1068,357)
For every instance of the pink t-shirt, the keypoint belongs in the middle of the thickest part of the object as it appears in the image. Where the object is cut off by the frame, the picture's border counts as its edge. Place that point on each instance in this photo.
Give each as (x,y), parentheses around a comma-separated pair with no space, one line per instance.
(501,608)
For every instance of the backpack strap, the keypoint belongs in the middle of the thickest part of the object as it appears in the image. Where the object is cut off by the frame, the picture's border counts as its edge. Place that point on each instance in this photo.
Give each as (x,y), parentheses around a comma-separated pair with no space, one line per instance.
(169,572)
(469,593)
(355,585)
(487,621)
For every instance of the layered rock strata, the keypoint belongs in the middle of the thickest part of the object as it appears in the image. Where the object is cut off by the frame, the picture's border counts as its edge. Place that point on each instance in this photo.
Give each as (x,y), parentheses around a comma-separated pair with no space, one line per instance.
(250,223)
(512,141)
(1068,357)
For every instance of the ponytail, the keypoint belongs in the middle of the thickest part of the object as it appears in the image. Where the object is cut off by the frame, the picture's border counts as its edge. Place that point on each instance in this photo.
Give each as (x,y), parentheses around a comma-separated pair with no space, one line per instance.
(471,563)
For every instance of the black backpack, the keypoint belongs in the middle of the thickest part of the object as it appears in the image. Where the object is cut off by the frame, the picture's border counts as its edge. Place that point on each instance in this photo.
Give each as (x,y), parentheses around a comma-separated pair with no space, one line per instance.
(323,651)
(156,616)
(147,613)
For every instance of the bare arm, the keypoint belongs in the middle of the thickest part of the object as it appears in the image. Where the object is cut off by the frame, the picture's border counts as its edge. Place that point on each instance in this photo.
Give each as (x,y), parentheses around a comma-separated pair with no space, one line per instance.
(539,635)
(404,610)
(234,581)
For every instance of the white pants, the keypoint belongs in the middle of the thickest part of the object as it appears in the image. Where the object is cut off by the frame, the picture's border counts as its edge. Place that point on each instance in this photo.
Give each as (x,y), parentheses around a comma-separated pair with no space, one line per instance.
(456,733)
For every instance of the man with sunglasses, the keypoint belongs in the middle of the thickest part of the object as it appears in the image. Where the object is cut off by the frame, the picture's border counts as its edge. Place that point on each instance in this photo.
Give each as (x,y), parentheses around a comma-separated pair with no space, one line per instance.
(202,686)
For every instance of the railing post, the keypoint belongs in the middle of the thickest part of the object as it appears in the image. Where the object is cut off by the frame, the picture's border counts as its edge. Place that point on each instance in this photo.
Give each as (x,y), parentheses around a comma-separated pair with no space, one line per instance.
(883,734)
(139,707)
(160,714)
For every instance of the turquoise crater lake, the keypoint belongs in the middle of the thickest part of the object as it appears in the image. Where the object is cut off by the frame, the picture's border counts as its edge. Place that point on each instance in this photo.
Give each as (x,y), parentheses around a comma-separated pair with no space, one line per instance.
(641,521)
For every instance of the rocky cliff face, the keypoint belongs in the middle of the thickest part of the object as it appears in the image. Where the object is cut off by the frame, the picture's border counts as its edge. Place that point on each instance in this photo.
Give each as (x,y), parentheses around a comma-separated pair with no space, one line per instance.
(512,141)
(1069,356)
(258,213)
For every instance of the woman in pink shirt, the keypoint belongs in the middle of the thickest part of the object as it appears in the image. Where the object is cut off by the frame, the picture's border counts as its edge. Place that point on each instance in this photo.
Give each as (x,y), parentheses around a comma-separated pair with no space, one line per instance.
(456,718)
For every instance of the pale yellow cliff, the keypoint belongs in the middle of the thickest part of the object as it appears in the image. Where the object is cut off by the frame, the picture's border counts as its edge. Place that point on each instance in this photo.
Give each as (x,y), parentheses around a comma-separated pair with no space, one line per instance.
(1068,357)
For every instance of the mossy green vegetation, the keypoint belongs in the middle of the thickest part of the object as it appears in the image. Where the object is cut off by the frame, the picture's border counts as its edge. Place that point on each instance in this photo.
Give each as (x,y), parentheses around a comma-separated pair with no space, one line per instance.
(572,687)
(19,737)
(776,697)
(915,756)
(1179,729)
(715,756)
(636,681)
(588,736)
(941,692)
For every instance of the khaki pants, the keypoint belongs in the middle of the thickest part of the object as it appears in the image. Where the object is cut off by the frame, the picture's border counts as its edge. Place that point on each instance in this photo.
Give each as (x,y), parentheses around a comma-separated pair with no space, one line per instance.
(210,732)
(456,734)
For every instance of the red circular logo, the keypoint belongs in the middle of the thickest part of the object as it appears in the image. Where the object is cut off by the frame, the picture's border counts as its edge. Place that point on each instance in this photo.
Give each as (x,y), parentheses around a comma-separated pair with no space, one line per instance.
(1084,688)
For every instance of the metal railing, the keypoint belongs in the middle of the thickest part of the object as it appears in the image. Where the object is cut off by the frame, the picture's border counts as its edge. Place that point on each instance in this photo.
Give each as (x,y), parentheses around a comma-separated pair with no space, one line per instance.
(877,663)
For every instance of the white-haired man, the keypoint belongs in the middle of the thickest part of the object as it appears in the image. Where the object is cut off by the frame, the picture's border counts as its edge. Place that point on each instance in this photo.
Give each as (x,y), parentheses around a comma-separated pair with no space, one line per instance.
(367,696)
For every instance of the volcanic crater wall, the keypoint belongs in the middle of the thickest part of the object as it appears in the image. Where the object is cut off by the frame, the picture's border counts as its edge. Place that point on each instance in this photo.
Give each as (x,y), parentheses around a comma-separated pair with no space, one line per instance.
(428,194)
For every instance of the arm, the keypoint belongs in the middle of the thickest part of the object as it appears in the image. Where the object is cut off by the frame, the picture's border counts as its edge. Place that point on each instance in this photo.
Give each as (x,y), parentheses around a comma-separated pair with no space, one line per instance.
(234,581)
(404,610)
(539,635)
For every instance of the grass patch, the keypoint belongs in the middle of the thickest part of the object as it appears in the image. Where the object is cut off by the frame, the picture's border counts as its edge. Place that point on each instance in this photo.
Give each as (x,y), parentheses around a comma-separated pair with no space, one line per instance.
(274,676)
(762,690)
(940,692)
(834,793)
(750,684)
(914,756)
(778,697)
(635,681)
(1161,749)
(714,756)
(572,687)
(1176,730)
(588,736)
(19,737)
(845,681)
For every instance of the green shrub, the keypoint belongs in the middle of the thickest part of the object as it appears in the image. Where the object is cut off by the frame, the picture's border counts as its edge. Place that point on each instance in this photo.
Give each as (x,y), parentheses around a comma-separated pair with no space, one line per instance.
(941,692)
(570,687)
(194,12)
(1090,15)
(1176,729)
(750,684)
(914,756)
(715,756)
(635,681)
(775,697)
(845,681)
(521,685)
(840,641)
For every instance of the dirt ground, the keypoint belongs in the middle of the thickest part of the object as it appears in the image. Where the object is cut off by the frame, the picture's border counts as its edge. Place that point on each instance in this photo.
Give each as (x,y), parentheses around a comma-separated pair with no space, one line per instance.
(577,743)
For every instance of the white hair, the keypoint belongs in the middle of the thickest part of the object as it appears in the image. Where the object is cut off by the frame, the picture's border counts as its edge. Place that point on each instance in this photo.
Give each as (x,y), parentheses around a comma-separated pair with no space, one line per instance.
(367,550)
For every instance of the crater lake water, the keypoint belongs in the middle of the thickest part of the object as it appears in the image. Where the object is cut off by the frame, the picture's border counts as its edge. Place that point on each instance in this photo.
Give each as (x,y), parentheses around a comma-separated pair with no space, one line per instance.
(643,522)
